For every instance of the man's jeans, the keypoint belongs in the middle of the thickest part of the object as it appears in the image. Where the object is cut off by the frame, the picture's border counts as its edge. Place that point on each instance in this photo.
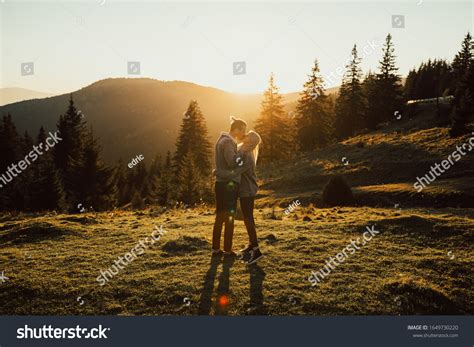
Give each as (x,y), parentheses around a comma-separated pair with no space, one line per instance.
(226,204)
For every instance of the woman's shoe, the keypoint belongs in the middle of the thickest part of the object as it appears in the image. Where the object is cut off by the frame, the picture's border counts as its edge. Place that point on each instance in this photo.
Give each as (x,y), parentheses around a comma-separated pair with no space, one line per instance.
(245,253)
(247,249)
(255,256)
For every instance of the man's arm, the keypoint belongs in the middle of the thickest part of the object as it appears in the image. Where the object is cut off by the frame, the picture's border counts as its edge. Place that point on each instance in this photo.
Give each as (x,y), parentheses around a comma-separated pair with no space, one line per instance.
(230,153)
(230,174)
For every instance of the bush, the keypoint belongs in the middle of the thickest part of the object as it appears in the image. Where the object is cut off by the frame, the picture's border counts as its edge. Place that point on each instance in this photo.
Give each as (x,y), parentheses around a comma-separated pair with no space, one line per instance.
(337,192)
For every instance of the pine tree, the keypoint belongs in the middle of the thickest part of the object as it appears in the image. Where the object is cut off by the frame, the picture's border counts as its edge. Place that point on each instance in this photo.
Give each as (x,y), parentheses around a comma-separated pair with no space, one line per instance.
(72,130)
(409,89)
(193,144)
(25,179)
(10,142)
(155,167)
(463,70)
(373,95)
(193,138)
(154,176)
(141,180)
(314,118)
(91,180)
(273,126)
(350,104)
(388,83)
(463,58)
(46,190)
(189,191)
(122,188)
(164,186)
(11,148)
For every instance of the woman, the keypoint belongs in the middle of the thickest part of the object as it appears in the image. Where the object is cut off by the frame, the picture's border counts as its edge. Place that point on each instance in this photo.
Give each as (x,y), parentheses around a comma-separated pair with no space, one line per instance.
(246,160)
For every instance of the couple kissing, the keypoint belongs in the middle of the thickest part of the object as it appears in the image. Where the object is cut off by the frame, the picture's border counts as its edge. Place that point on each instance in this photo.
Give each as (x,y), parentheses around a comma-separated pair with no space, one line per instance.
(236,154)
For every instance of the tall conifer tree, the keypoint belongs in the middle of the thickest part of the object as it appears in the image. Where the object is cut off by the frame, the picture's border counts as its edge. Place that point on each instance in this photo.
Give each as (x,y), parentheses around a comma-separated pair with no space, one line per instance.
(463,68)
(314,118)
(273,126)
(350,104)
(193,144)
(390,96)
(46,189)
(92,180)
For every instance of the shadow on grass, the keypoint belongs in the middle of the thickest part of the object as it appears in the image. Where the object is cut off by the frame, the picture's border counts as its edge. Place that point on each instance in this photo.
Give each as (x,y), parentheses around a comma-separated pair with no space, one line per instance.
(222,302)
(205,300)
(257,277)
(223,288)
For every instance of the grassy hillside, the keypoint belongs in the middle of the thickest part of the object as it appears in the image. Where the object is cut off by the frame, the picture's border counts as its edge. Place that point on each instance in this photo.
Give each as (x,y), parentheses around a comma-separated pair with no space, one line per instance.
(420,263)
(382,167)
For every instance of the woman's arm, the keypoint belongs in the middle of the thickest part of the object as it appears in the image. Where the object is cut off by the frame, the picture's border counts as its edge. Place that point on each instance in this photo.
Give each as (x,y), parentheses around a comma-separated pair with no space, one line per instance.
(229,174)
(243,164)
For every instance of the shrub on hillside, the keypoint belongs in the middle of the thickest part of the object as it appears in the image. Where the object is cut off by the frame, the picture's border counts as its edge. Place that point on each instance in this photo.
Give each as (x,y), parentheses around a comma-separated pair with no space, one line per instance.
(337,192)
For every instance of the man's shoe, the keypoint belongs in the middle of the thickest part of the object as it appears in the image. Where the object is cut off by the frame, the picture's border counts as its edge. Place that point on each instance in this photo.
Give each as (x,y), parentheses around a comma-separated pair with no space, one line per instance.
(230,254)
(217,252)
(256,255)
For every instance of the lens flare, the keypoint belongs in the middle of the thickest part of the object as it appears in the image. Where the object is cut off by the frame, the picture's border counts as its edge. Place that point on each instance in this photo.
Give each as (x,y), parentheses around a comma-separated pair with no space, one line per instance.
(223,300)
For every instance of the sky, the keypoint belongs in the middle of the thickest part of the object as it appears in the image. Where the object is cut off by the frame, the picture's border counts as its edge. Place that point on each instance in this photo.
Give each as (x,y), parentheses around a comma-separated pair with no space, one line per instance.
(74,44)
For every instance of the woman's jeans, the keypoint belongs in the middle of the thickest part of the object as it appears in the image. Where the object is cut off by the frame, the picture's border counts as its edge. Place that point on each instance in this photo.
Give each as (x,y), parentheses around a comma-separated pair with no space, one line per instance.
(247,205)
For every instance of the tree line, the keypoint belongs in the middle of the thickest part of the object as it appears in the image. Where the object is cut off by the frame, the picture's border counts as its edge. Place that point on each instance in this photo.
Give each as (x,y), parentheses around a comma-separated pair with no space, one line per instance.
(363,102)
(72,177)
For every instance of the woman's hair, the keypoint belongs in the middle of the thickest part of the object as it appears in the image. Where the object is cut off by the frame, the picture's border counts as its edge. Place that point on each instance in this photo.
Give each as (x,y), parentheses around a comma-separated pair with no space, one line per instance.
(251,142)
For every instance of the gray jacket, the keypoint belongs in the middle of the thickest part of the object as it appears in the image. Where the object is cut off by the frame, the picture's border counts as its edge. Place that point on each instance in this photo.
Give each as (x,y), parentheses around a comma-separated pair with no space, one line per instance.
(248,182)
(246,172)
(226,159)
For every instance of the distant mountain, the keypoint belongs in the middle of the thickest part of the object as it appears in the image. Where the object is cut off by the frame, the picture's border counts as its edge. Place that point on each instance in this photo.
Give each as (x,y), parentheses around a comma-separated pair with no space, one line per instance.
(137,116)
(11,95)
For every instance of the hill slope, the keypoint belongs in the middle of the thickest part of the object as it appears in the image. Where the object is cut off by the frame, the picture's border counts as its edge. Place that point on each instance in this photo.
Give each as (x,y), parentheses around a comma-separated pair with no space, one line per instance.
(139,115)
(381,167)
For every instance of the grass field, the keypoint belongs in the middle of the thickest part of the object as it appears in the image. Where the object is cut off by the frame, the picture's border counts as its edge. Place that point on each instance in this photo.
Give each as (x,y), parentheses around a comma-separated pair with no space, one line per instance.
(420,263)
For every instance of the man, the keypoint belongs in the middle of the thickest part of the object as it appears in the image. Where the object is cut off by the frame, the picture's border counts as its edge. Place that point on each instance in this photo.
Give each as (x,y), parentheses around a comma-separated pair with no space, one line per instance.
(227,189)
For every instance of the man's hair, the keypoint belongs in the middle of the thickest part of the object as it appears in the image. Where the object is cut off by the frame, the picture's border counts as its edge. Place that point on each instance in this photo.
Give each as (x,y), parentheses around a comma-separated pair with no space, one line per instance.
(237,123)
